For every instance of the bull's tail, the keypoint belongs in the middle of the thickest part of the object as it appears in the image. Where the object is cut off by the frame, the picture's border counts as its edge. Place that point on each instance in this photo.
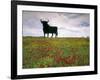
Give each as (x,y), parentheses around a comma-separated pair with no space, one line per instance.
(56,31)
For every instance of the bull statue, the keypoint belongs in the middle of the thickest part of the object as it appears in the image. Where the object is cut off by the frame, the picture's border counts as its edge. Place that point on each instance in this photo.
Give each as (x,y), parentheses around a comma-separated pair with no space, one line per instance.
(49,29)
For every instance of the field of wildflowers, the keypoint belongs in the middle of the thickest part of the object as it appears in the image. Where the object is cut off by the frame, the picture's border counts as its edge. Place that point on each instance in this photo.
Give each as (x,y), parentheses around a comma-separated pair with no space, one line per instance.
(39,52)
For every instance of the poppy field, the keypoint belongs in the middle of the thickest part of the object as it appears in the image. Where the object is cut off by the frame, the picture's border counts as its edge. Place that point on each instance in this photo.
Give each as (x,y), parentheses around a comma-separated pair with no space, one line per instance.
(39,52)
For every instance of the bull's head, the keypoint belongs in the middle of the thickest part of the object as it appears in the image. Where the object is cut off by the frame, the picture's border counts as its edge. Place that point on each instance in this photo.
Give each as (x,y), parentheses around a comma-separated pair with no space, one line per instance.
(44,23)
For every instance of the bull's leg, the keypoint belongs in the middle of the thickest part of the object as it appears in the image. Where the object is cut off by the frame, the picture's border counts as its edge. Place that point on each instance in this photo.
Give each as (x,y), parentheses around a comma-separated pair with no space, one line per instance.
(52,35)
(55,35)
(47,34)
(44,35)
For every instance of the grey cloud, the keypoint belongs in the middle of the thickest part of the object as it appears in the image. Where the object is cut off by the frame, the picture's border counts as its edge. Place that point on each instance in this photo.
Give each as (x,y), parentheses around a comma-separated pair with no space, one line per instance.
(31,21)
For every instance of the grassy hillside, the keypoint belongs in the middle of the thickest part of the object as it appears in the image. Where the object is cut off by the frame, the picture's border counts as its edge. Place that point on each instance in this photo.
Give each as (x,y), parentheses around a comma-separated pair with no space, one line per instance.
(55,52)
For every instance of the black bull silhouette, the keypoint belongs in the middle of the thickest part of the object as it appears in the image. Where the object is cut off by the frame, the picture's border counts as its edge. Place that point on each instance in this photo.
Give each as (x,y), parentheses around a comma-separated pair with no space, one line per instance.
(49,29)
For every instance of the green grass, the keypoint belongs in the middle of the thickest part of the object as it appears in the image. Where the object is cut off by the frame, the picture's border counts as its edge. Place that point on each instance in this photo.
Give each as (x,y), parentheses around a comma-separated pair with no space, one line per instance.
(41,52)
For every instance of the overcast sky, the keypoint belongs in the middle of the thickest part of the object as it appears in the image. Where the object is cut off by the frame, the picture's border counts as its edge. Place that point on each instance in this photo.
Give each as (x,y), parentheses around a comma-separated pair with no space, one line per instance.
(69,24)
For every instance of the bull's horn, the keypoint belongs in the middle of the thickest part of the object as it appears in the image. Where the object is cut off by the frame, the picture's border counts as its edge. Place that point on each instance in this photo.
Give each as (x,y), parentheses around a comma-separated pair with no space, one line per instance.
(40,19)
(47,20)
